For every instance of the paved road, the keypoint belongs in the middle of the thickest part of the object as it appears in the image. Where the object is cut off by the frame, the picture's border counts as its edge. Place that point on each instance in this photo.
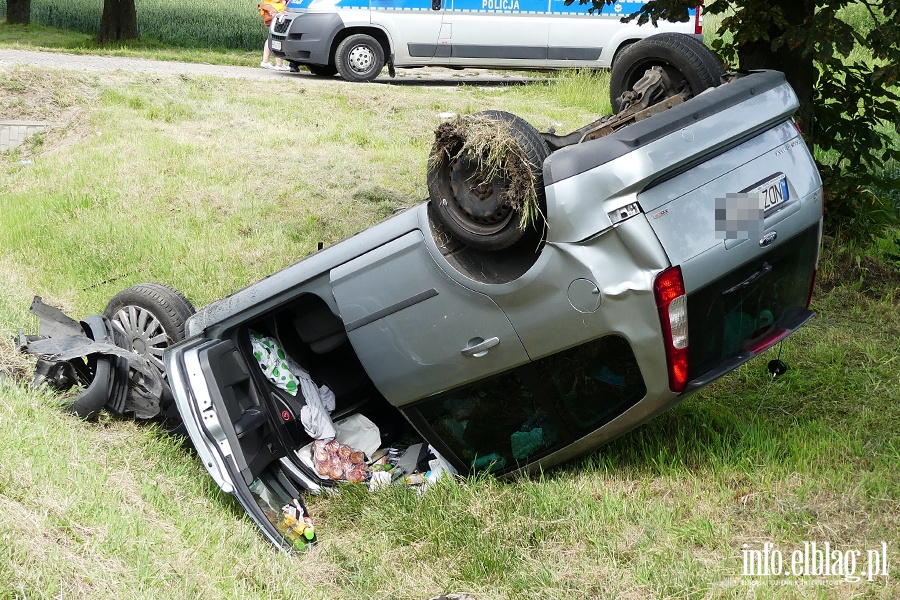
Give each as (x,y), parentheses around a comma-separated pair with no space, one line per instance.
(87,62)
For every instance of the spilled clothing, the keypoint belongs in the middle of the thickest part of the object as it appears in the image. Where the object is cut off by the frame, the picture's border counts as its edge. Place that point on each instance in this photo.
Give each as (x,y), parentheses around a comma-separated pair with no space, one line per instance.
(287,375)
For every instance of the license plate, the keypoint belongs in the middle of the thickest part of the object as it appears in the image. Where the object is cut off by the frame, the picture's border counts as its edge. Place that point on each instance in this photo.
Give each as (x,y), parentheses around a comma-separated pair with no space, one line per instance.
(276,45)
(773,191)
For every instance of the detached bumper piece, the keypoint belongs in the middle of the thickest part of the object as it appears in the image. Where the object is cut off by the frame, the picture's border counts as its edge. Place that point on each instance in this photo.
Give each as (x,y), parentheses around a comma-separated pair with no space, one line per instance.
(93,355)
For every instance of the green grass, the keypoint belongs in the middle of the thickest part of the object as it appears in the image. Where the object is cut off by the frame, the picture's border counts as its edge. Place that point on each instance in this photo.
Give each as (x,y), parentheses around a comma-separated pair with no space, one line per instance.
(210,184)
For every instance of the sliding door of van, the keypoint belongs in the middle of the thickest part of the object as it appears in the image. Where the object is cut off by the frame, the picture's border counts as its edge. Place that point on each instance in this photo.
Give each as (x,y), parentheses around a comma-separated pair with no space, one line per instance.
(576,35)
(578,38)
(414,27)
(416,331)
(510,33)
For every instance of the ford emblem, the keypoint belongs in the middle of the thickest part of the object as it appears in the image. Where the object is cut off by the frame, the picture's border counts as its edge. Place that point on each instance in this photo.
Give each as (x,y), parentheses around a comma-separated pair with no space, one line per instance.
(768,239)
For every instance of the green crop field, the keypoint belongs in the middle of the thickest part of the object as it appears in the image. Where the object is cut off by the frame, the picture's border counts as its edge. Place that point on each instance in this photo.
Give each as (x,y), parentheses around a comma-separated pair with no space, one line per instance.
(202,24)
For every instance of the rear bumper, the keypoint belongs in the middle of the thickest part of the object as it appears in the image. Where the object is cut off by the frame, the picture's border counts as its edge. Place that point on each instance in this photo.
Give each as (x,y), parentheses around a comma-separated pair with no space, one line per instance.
(732,363)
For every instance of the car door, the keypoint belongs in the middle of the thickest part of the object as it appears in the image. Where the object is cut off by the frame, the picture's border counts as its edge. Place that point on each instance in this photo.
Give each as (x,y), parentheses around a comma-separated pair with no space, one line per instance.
(577,37)
(415,28)
(415,330)
(231,427)
(499,32)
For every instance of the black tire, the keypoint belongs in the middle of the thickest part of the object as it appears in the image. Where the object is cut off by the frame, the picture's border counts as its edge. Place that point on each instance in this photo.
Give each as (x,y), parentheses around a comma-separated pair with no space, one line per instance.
(622,48)
(152,317)
(482,221)
(359,58)
(88,403)
(322,70)
(688,63)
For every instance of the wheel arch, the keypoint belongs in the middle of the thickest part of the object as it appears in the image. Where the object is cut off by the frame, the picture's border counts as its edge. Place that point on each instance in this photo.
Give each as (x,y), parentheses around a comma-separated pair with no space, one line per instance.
(622,47)
(380,35)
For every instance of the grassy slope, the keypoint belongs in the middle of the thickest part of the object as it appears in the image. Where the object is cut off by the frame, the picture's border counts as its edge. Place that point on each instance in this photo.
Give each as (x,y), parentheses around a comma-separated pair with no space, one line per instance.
(189,181)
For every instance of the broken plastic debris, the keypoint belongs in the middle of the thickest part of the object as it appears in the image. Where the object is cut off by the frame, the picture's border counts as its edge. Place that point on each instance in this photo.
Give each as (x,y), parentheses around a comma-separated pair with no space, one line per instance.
(93,354)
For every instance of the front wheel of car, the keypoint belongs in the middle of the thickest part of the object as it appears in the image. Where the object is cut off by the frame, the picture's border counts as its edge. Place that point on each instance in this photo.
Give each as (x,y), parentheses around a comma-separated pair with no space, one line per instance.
(359,58)
(691,67)
(152,317)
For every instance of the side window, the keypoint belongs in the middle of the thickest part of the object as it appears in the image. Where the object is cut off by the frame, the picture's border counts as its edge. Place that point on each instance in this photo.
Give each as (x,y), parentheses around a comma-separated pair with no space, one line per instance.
(492,425)
(593,383)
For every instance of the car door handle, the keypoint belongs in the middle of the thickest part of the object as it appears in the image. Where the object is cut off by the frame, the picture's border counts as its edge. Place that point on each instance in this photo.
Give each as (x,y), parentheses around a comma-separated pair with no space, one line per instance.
(478,349)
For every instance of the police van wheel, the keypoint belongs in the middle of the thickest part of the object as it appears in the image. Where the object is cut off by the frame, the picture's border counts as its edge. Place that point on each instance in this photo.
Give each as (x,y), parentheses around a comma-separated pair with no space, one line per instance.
(322,70)
(690,65)
(359,58)
(473,210)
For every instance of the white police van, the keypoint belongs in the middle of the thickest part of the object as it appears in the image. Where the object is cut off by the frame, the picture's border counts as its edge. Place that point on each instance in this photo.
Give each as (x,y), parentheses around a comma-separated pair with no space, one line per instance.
(357,37)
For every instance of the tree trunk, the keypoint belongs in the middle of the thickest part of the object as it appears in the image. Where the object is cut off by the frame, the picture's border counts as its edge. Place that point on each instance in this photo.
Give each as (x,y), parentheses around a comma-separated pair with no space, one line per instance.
(799,69)
(18,12)
(119,21)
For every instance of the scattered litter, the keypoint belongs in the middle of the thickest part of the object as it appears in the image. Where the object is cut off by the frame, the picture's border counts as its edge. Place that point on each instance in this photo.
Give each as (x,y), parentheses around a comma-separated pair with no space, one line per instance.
(446,115)
(25,161)
(291,520)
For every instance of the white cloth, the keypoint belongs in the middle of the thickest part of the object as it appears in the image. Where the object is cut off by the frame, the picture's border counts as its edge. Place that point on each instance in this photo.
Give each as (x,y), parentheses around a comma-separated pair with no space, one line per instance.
(286,374)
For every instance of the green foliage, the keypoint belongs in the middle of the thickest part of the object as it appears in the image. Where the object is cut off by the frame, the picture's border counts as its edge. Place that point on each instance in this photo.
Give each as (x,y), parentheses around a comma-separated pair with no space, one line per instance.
(855,47)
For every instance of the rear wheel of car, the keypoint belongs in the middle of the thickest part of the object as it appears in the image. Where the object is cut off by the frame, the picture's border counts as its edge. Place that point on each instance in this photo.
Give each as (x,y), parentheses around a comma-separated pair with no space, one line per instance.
(475,210)
(322,70)
(690,65)
(359,58)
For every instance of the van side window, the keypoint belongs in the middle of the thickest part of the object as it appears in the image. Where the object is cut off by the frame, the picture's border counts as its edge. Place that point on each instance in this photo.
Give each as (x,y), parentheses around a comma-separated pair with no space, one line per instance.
(593,383)
(493,425)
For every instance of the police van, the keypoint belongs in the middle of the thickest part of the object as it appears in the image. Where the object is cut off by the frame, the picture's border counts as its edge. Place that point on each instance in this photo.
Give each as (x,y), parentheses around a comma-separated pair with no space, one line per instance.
(356,38)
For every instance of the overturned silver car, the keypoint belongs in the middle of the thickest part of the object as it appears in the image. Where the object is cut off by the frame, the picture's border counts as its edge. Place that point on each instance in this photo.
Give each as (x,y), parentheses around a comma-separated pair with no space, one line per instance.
(666,253)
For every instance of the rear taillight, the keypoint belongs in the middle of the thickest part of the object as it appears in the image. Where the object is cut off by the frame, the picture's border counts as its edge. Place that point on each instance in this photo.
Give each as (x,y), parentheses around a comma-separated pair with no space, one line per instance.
(698,19)
(671,302)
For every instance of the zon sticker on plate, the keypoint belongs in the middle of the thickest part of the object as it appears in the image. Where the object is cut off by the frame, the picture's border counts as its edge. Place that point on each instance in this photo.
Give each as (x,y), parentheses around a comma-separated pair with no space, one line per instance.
(773,191)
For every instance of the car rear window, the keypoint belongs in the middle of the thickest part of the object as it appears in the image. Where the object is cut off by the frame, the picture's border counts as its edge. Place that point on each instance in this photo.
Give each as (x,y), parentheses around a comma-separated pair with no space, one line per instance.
(734,312)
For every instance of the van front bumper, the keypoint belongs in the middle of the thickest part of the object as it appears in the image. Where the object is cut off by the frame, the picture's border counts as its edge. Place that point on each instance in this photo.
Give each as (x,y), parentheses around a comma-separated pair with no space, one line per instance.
(304,38)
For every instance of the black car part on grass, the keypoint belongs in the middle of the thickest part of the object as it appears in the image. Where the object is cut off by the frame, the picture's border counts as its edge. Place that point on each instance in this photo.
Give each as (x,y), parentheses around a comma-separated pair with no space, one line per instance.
(93,354)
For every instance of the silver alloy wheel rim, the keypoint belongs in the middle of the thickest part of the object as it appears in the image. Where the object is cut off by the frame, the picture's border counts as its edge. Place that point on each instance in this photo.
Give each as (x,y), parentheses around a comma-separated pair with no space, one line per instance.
(361,58)
(145,334)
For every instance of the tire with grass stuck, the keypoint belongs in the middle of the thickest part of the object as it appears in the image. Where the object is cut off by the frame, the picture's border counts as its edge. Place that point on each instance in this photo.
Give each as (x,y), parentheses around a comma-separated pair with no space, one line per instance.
(477,212)
(690,65)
